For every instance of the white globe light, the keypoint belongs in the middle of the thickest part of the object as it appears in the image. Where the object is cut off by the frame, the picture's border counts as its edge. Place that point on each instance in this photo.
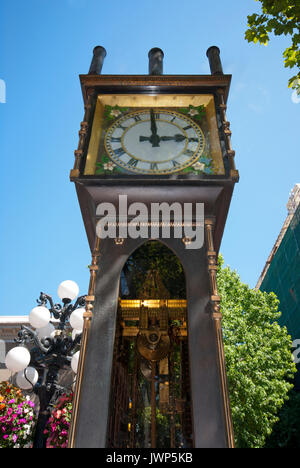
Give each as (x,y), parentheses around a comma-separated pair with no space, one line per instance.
(39,317)
(76,319)
(47,331)
(68,290)
(29,374)
(74,362)
(17,359)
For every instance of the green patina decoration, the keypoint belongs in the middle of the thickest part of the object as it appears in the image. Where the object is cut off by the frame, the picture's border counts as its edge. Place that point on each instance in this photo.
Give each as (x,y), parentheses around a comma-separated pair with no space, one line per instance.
(195,113)
(113,112)
(204,165)
(107,165)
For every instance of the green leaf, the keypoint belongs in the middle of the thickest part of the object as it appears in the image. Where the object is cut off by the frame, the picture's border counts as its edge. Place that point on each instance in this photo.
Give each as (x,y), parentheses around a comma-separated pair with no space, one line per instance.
(280,17)
(258,357)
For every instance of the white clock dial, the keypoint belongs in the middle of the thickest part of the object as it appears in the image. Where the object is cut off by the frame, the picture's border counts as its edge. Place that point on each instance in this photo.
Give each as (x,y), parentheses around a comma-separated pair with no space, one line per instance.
(154,141)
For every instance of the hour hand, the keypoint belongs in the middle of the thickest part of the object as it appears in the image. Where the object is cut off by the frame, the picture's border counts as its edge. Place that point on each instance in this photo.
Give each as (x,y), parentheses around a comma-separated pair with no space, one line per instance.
(144,138)
(153,139)
(178,138)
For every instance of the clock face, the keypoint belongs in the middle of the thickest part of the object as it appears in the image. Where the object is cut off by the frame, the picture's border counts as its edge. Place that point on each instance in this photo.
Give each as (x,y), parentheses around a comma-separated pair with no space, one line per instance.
(154,141)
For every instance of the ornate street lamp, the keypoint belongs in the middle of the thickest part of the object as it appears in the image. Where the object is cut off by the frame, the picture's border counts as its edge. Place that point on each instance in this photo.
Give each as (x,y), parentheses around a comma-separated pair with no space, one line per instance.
(48,349)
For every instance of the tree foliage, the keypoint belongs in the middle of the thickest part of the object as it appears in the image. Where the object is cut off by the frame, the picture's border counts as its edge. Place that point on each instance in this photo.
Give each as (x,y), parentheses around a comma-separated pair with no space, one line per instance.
(279,17)
(154,255)
(258,358)
(286,432)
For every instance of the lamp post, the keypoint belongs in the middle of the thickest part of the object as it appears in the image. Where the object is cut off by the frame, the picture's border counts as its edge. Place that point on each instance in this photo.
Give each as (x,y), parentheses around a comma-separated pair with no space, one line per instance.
(42,352)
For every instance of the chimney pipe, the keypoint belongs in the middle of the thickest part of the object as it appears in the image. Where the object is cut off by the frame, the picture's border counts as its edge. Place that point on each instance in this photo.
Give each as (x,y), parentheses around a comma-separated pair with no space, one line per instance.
(215,63)
(99,54)
(156,57)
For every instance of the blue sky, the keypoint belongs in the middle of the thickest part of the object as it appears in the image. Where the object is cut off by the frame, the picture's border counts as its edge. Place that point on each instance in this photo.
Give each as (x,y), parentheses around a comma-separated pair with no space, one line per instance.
(46,44)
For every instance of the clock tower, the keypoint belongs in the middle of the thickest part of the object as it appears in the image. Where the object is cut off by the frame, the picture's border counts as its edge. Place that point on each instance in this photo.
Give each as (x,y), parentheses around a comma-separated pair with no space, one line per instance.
(152,370)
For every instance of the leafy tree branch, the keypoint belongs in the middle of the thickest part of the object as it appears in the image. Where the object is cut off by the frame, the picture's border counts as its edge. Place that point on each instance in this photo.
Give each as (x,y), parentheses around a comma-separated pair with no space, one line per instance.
(279,17)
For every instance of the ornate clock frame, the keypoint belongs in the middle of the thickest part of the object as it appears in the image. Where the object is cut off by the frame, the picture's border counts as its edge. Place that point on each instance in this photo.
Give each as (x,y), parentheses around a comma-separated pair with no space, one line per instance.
(211,416)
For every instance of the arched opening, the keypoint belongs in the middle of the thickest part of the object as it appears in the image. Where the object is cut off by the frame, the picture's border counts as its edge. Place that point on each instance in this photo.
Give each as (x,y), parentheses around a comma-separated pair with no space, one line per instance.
(150,403)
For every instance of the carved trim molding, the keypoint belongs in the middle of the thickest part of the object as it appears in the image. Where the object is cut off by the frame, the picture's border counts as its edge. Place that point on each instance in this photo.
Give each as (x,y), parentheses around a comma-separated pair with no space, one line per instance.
(217,318)
(84,128)
(88,315)
(234,174)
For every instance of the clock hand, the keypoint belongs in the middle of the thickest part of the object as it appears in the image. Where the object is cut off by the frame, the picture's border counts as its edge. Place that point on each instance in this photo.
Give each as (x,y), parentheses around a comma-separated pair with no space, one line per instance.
(154,139)
(144,138)
(153,123)
(178,138)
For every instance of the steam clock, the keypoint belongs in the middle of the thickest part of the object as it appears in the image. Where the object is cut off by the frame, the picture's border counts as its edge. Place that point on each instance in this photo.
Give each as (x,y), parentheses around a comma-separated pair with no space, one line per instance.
(152,371)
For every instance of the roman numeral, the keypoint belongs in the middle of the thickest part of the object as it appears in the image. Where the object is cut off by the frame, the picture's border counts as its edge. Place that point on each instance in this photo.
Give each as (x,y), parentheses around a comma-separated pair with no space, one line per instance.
(189,152)
(187,128)
(153,167)
(121,126)
(194,140)
(172,120)
(137,118)
(175,163)
(119,151)
(133,162)
(115,139)
(157,116)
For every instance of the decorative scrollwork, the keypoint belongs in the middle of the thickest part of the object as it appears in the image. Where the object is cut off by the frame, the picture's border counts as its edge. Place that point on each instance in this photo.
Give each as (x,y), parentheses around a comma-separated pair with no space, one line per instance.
(49,355)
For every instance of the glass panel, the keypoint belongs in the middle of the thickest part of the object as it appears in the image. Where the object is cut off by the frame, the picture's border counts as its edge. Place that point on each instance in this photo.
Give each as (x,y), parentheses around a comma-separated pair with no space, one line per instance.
(150,399)
(154,135)
(150,404)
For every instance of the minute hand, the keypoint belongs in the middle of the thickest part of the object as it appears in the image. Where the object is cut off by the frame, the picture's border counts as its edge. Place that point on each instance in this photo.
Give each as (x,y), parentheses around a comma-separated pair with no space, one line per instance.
(153,123)
(154,139)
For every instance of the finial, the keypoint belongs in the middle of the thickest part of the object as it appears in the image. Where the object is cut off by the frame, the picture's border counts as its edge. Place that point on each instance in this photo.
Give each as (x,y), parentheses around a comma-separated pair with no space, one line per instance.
(99,54)
(156,57)
(215,63)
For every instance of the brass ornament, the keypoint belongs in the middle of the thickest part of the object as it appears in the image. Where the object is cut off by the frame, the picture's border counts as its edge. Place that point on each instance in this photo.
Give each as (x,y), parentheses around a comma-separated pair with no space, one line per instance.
(153,345)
